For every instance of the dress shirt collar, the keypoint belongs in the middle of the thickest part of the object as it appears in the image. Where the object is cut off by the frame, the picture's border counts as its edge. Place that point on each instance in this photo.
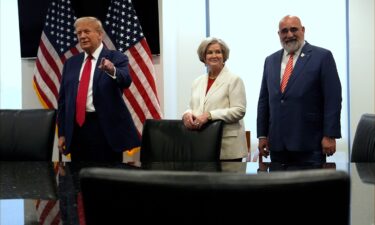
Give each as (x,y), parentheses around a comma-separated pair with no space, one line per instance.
(96,53)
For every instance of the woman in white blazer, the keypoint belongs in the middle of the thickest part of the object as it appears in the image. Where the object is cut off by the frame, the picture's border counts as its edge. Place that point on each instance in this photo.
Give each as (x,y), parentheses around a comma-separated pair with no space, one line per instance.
(219,95)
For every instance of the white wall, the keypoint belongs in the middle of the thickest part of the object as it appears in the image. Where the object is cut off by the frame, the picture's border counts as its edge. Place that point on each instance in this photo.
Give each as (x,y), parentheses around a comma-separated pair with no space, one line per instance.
(10,56)
(361,60)
(183,29)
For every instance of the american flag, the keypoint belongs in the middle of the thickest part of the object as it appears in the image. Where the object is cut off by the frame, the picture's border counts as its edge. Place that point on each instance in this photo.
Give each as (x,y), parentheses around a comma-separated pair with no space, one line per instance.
(59,42)
(125,34)
(48,211)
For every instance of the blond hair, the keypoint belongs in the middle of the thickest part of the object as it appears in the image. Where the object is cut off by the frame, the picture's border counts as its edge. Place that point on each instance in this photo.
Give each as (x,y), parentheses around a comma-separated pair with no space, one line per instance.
(202,49)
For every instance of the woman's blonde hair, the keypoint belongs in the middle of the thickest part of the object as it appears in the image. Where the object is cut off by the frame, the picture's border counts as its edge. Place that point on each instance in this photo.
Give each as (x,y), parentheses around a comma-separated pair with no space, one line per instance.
(202,49)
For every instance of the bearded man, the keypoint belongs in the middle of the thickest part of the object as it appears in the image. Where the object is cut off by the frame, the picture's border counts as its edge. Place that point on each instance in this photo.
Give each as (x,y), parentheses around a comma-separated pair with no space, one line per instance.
(300,99)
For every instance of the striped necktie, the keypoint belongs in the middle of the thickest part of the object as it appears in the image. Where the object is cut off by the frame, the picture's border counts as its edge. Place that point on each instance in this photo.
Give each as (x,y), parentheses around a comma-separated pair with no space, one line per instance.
(287,73)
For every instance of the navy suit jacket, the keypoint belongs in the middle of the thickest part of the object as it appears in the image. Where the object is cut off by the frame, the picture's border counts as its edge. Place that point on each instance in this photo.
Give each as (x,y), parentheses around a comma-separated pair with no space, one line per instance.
(310,106)
(113,114)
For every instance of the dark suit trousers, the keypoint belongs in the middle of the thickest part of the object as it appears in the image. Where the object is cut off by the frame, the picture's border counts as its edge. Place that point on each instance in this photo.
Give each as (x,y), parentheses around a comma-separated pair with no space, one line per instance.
(89,143)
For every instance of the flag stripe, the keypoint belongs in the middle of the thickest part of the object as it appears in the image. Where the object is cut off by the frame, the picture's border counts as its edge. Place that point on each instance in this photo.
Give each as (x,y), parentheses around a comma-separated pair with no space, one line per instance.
(44,98)
(134,105)
(137,121)
(146,47)
(140,60)
(147,101)
(49,210)
(45,207)
(49,58)
(144,85)
(136,51)
(142,77)
(49,96)
(107,42)
(73,51)
(47,72)
(57,219)
(46,78)
(53,216)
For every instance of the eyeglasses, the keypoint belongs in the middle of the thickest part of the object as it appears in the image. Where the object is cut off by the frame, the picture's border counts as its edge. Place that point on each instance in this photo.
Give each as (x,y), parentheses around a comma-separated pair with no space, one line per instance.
(286,30)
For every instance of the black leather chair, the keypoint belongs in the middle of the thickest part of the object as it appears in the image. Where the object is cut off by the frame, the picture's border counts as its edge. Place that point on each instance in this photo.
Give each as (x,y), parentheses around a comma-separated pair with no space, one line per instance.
(27,134)
(182,197)
(363,149)
(366,172)
(170,140)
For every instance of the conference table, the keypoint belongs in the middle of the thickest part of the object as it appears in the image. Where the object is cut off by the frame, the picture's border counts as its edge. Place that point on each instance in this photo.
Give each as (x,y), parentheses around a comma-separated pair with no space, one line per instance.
(49,192)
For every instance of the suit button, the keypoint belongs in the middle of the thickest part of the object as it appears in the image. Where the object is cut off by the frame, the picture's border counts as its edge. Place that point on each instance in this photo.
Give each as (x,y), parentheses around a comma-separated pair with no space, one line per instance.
(282,100)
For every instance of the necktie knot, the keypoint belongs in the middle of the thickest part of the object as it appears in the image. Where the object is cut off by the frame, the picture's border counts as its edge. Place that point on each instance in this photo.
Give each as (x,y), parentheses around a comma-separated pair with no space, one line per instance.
(291,54)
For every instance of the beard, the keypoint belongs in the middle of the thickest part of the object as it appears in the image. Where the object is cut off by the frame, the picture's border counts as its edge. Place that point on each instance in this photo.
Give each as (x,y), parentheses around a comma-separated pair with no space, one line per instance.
(291,45)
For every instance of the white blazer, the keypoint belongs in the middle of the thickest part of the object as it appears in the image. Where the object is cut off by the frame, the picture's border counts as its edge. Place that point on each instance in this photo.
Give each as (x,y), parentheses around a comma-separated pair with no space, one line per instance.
(226,100)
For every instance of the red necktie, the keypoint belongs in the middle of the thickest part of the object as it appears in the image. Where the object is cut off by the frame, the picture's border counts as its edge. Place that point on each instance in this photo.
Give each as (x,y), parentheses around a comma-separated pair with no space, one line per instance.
(82,92)
(287,73)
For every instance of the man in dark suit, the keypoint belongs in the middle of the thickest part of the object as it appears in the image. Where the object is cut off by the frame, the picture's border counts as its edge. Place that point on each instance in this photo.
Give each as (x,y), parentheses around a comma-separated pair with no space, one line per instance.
(103,128)
(299,111)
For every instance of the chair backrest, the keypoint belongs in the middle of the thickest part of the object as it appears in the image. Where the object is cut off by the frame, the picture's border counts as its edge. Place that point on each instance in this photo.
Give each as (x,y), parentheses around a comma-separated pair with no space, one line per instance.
(170,140)
(363,149)
(366,172)
(27,134)
(182,197)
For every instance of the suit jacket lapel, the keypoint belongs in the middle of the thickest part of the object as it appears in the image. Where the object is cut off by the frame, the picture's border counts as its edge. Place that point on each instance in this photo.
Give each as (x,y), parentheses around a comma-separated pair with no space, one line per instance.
(202,86)
(300,64)
(77,64)
(220,80)
(277,68)
(98,72)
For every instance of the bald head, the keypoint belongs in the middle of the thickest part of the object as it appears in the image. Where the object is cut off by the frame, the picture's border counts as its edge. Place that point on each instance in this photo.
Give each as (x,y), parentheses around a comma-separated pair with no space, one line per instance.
(288,19)
(291,33)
